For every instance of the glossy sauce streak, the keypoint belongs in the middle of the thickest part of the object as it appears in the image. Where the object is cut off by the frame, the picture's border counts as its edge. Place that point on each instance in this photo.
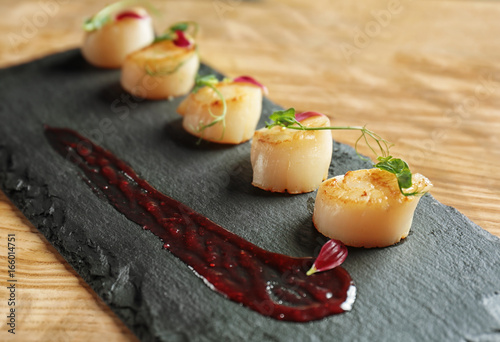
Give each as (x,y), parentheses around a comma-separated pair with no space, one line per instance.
(272,284)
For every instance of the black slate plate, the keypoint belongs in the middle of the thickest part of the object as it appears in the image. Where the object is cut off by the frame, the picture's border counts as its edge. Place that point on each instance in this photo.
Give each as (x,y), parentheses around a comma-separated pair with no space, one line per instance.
(441,284)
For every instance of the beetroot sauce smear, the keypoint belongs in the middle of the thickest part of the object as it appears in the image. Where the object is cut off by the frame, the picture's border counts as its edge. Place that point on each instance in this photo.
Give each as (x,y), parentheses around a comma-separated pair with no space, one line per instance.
(272,284)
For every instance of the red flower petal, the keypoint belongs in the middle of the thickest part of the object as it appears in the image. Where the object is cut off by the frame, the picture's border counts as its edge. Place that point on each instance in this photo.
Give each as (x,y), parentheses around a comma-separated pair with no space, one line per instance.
(332,254)
(251,80)
(128,14)
(302,116)
(181,40)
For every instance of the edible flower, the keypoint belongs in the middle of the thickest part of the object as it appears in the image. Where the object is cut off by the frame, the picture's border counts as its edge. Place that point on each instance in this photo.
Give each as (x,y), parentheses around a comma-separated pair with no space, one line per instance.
(332,254)
(181,40)
(306,115)
(251,80)
(129,14)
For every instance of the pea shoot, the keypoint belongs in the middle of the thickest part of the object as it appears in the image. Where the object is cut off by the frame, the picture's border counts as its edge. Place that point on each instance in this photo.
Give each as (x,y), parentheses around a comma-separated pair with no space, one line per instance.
(379,146)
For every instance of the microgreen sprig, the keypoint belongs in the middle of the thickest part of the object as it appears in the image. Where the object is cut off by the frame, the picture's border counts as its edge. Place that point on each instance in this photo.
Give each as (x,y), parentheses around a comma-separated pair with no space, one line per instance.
(283,118)
(286,118)
(105,15)
(211,81)
(402,171)
(184,26)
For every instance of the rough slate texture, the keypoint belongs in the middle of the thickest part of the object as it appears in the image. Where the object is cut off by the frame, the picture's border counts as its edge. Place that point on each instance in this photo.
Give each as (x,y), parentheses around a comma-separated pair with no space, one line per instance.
(441,284)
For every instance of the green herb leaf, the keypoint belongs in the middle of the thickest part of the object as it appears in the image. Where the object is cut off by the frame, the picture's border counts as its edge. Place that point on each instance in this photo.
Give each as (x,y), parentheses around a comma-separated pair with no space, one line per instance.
(89,25)
(202,81)
(399,168)
(283,118)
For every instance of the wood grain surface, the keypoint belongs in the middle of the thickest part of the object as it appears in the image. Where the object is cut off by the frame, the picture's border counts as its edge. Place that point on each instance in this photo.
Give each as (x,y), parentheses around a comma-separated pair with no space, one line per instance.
(424,75)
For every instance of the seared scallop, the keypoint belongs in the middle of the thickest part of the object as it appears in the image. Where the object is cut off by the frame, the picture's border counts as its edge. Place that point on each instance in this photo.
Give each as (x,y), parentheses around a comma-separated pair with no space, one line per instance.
(244,105)
(160,70)
(366,208)
(289,160)
(125,32)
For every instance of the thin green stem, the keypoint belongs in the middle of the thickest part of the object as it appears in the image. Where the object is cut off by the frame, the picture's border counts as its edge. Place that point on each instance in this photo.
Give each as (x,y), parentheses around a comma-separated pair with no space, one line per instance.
(398,167)
(382,144)
(217,118)
(165,72)
(165,36)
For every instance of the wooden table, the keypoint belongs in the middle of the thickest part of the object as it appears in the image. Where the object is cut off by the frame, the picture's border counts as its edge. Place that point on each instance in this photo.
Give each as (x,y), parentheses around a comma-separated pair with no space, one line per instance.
(425,75)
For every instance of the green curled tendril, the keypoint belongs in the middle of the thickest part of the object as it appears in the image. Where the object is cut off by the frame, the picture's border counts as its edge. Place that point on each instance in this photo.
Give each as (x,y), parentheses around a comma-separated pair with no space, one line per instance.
(211,81)
(379,146)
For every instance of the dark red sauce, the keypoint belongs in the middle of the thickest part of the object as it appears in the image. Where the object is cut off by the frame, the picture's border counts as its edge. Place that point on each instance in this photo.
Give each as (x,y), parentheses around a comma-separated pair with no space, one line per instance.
(272,284)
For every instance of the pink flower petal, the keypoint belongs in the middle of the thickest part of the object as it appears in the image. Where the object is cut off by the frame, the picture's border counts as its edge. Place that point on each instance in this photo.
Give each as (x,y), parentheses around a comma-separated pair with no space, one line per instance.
(332,254)
(181,40)
(129,14)
(302,116)
(251,80)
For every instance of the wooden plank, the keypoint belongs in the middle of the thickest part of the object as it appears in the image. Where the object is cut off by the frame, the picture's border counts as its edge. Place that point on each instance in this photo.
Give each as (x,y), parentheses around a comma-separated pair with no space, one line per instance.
(53,303)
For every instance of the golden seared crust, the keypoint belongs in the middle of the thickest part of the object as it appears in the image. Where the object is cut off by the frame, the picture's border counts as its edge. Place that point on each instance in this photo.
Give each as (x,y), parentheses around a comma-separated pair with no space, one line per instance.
(217,103)
(207,97)
(161,53)
(272,136)
(372,187)
(420,183)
